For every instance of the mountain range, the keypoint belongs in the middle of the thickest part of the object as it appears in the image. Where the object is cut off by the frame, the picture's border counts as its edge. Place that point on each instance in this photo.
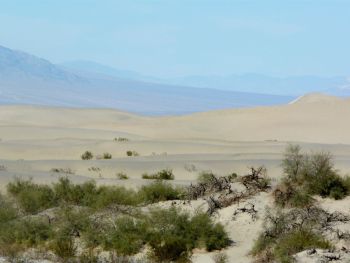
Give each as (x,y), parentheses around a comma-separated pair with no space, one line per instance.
(27,79)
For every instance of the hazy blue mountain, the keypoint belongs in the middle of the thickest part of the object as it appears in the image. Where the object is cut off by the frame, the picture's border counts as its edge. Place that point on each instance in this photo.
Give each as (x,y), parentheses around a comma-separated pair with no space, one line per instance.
(296,85)
(27,79)
(253,83)
(86,66)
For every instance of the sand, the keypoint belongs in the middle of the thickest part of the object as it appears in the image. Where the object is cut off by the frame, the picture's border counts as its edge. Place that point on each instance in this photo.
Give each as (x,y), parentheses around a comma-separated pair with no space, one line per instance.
(36,139)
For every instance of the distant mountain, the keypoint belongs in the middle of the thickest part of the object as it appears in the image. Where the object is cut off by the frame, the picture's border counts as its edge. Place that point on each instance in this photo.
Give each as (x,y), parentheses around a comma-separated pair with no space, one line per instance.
(27,79)
(253,83)
(18,64)
(256,83)
(86,66)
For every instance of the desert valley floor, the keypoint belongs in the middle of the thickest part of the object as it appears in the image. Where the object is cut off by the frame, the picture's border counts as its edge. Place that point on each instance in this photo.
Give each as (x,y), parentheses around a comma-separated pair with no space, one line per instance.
(36,139)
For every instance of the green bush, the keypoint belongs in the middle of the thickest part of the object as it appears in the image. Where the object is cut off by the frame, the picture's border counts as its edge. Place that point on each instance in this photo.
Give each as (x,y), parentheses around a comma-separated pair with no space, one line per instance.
(127,238)
(107,156)
(7,211)
(160,191)
(109,195)
(121,139)
(132,153)
(297,241)
(27,232)
(31,197)
(220,258)
(78,194)
(306,175)
(289,232)
(122,176)
(206,177)
(70,222)
(87,155)
(174,234)
(64,247)
(165,174)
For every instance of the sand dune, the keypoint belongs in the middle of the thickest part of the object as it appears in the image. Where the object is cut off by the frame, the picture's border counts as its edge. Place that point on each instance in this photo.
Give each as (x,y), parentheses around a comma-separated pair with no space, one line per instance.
(42,133)
(36,139)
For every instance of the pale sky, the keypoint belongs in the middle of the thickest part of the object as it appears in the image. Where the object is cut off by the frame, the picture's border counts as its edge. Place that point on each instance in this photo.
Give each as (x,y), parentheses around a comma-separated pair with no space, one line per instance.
(168,38)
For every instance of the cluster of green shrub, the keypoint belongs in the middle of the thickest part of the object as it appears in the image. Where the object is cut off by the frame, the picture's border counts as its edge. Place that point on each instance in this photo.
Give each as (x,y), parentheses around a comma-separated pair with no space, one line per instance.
(121,139)
(306,175)
(132,153)
(33,198)
(171,234)
(165,174)
(89,155)
(289,232)
(122,176)
(300,226)
(62,170)
(107,156)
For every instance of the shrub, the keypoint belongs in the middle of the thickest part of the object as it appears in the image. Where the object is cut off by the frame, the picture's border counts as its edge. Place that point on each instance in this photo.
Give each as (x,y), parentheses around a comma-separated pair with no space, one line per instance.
(220,258)
(121,139)
(107,156)
(108,195)
(87,155)
(7,211)
(31,197)
(306,175)
(205,232)
(83,194)
(290,232)
(165,174)
(132,153)
(88,194)
(62,170)
(160,191)
(174,234)
(205,177)
(127,238)
(88,257)
(289,195)
(64,247)
(122,176)
(26,232)
(297,241)
(293,162)
(70,222)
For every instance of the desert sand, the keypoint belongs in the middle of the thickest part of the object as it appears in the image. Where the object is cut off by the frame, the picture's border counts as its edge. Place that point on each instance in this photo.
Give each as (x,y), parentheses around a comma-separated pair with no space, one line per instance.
(36,139)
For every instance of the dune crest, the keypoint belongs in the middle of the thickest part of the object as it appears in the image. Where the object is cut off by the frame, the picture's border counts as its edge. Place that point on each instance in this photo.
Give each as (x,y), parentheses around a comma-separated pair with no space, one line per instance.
(316,98)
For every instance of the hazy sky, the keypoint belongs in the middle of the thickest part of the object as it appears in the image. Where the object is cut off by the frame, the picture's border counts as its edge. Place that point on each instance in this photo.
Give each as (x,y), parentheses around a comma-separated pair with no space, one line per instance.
(184,37)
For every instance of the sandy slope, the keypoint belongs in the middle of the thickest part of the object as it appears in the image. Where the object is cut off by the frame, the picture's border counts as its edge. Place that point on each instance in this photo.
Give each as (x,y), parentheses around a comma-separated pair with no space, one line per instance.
(36,139)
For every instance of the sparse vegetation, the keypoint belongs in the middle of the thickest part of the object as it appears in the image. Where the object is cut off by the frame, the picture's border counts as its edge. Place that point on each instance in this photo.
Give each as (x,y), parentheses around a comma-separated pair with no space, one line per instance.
(161,191)
(287,233)
(190,167)
(94,169)
(121,139)
(3,168)
(165,174)
(107,156)
(220,258)
(306,175)
(132,153)
(79,212)
(122,176)
(87,155)
(62,170)
(31,197)
(173,234)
